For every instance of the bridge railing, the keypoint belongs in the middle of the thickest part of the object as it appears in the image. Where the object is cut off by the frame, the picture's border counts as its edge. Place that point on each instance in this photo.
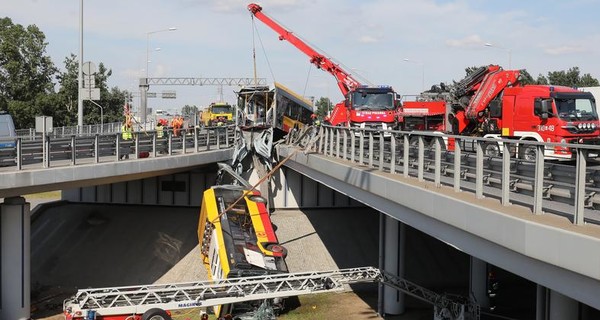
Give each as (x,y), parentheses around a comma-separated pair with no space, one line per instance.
(51,151)
(563,179)
(67,131)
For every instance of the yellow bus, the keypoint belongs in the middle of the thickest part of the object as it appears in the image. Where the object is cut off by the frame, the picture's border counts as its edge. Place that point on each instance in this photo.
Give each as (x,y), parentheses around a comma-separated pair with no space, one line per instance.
(237,239)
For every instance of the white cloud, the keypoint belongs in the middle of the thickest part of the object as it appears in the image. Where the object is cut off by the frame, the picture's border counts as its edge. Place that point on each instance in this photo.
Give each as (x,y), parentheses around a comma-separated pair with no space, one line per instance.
(560,50)
(469,41)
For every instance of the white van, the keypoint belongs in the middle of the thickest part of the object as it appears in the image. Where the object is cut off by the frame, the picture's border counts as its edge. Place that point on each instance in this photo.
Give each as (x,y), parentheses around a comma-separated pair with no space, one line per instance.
(8,140)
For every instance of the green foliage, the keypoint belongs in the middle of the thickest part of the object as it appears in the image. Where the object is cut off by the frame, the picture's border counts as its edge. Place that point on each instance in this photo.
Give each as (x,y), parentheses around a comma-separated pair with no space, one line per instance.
(25,70)
(323,107)
(189,111)
(569,78)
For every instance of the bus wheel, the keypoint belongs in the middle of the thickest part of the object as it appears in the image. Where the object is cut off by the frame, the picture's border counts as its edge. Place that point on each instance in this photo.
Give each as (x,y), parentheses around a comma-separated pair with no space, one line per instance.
(155,314)
(491,149)
(527,152)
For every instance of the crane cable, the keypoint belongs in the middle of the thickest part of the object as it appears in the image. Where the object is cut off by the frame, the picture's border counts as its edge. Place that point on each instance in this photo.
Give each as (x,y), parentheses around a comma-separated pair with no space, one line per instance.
(247,192)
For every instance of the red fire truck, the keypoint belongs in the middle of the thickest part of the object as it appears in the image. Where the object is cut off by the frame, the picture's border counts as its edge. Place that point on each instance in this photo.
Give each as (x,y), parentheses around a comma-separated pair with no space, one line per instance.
(364,106)
(491,103)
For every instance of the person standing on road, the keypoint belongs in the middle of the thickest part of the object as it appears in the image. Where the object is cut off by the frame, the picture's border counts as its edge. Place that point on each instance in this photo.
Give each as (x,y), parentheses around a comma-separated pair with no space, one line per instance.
(126,136)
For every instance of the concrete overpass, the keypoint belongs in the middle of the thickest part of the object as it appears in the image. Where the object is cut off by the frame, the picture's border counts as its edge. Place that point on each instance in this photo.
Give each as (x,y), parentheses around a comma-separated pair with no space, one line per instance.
(547,249)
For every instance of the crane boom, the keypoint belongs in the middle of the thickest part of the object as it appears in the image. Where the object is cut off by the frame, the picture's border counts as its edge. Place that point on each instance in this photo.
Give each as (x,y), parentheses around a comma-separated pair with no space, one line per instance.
(345,81)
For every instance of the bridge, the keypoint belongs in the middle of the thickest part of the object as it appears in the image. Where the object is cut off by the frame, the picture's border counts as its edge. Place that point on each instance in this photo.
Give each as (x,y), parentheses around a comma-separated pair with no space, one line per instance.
(536,219)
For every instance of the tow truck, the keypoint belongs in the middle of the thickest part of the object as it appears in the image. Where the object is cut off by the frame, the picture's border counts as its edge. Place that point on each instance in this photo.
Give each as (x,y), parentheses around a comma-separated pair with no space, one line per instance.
(364,106)
(491,103)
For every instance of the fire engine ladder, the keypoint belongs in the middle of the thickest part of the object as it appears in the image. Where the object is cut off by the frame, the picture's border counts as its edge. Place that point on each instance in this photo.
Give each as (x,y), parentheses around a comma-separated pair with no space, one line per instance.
(445,306)
(139,299)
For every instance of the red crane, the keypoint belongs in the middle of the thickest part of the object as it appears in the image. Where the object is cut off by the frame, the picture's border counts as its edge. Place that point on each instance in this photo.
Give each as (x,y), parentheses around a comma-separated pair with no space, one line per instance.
(374,107)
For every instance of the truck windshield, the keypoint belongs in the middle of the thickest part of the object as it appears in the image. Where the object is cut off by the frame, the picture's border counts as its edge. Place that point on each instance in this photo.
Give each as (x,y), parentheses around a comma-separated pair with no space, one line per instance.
(372,101)
(221,109)
(576,109)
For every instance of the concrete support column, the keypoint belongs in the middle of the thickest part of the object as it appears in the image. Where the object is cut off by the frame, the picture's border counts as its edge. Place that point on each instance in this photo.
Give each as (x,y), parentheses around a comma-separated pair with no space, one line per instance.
(478,282)
(540,302)
(393,262)
(15,264)
(561,306)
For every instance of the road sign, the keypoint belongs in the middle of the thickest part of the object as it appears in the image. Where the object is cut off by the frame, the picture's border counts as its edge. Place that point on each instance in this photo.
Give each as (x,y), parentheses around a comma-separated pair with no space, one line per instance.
(169,95)
(88,68)
(89,93)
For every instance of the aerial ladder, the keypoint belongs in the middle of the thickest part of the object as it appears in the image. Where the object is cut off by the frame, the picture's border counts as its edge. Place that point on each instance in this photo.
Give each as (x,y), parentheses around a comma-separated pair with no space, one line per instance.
(151,301)
(373,107)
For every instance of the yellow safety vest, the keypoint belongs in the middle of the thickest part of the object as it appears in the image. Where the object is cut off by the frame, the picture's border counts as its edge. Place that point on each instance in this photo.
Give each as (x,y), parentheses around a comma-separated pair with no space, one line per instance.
(126,133)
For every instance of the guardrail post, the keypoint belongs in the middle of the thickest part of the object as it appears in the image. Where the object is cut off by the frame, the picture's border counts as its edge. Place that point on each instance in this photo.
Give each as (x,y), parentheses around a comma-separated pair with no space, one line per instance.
(381,142)
(331,144)
(207,139)
(438,162)
(337,142)
(154,144)
(73,151)
(183,140)
(361,147)
(97,148)
(170,142)
(405,156)
(421,159)
(48,151)
(218,134)
(578,219)
(457,163)
(371,148)
(506,173)
(479,170)
(352,145)
(118,146)
(195,139)
(19,159)
(393,154)
(538,191)
(345,155)
(137,145)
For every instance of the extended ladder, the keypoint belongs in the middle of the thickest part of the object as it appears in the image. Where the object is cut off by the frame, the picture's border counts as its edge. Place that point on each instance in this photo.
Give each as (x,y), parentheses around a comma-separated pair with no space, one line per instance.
(138,299)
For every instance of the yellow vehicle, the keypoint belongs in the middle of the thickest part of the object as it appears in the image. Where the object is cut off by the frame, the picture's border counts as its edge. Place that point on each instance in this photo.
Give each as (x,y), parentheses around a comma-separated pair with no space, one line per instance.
(217,114)
(237,239)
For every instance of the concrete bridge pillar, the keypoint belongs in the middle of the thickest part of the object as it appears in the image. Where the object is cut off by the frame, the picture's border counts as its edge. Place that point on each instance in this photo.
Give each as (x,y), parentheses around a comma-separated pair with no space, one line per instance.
(393,241)
(551,305)
(15,259)
(478,282)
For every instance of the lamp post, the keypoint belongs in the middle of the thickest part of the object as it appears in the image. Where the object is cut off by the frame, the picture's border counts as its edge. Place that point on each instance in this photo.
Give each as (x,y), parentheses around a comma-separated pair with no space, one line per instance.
(148,44)
(490,45)
(144,82)
(422,71)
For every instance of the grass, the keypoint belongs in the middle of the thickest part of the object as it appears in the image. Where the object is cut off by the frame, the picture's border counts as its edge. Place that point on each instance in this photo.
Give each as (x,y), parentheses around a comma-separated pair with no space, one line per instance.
(44,195)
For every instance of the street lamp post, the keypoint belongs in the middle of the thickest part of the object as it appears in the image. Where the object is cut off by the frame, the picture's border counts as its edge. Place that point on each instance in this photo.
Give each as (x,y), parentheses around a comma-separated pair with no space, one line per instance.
(487,44)
(144,82)
(422,71)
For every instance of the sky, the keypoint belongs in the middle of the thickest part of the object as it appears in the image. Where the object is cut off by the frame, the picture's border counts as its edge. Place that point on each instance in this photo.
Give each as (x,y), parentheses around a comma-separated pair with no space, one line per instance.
(410,45)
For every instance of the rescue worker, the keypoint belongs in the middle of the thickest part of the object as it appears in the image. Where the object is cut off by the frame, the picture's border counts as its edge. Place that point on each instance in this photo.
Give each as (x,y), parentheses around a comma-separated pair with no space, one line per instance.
(315,120)
(126,136)
(177,123)
(159,129)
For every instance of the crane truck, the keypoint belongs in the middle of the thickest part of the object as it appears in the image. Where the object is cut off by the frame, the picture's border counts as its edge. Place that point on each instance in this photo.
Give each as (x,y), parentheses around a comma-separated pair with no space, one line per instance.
(491,103)
(364,106)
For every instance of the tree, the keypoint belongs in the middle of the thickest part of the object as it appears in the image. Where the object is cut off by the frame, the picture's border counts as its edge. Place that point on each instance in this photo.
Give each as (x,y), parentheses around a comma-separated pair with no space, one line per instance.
(569,78)
(189,111)
(26,72)
(323,107)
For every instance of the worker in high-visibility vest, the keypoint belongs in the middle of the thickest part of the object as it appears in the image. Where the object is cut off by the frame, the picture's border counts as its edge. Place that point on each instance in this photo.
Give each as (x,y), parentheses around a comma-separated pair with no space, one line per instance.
(177,123)
(126,135)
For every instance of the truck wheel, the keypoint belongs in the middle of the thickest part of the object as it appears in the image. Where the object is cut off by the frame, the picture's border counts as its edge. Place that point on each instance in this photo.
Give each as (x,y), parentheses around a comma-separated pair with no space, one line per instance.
(155,314)
(491,149)
(527,152)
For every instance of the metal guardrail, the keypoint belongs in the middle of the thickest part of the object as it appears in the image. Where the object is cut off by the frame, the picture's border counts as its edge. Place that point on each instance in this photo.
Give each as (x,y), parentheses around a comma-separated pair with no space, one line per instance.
(67,131)
(568,188)
(94,148)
